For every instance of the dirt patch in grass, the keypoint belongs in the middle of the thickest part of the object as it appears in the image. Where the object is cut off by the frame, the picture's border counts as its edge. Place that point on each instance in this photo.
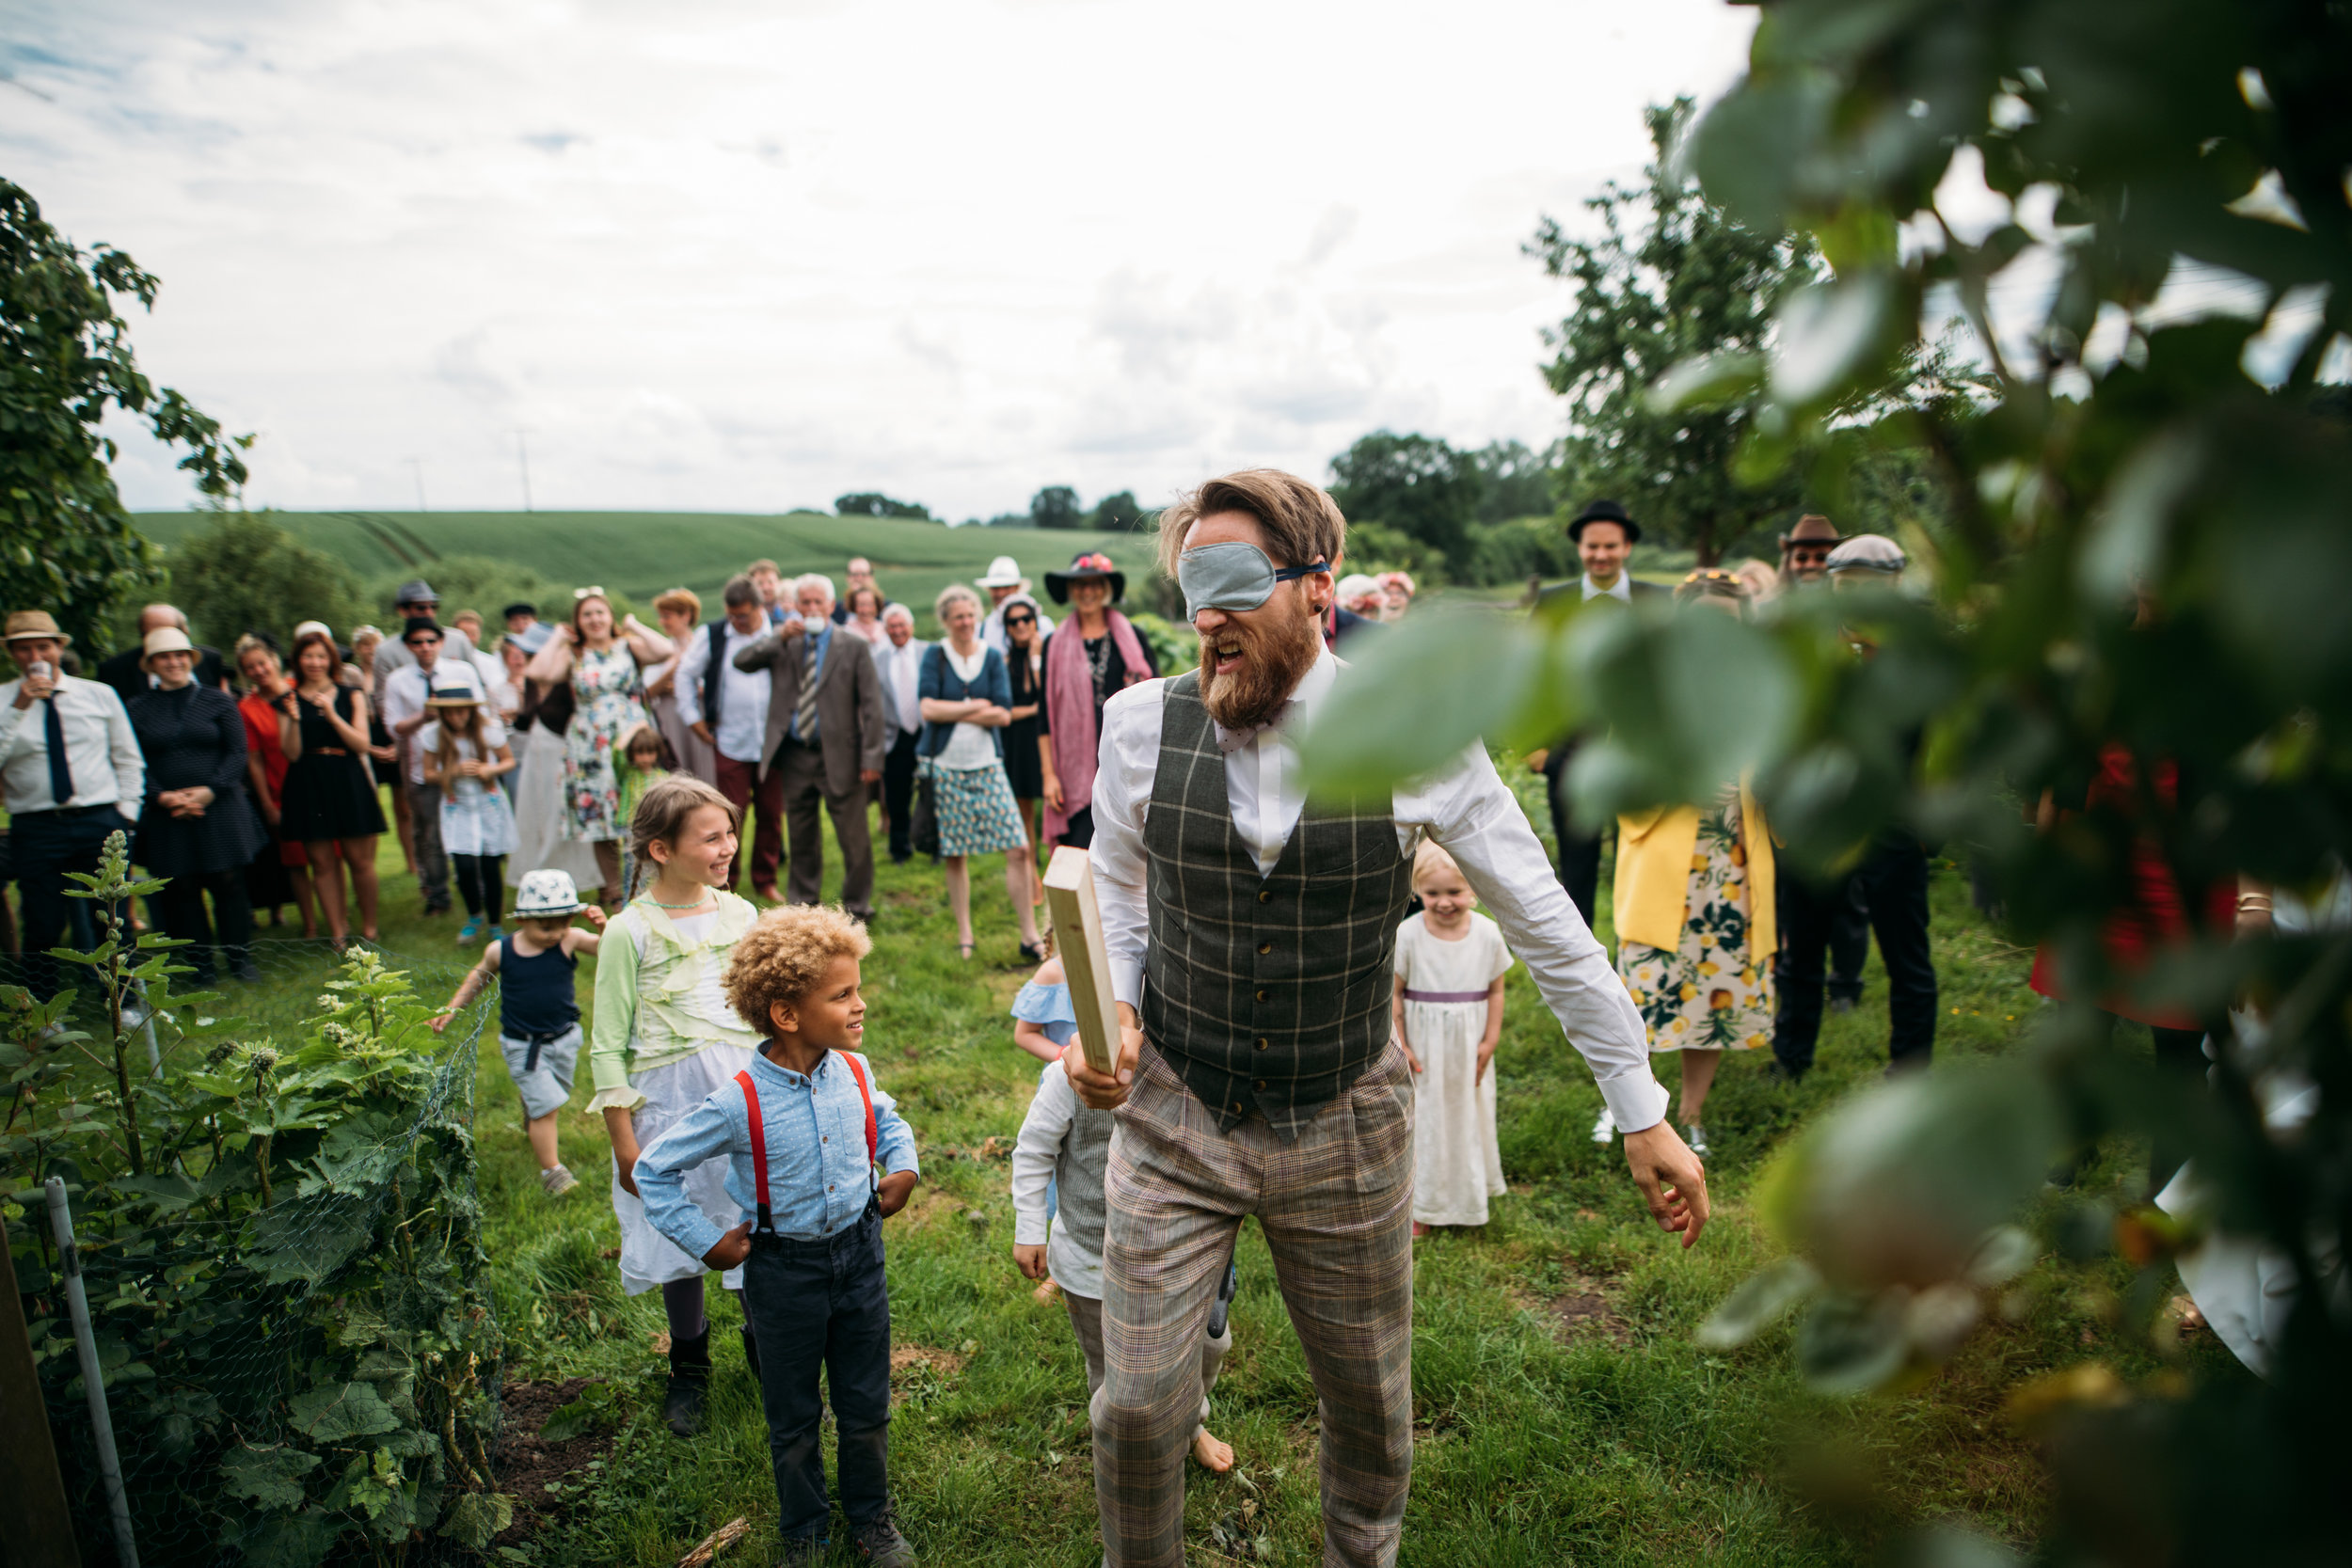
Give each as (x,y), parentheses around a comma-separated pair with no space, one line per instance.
(526,1461)
(918,1373)
(1584,1308)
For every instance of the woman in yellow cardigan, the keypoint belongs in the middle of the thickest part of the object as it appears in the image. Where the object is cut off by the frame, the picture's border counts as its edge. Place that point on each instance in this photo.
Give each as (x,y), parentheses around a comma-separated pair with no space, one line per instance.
(1694,910)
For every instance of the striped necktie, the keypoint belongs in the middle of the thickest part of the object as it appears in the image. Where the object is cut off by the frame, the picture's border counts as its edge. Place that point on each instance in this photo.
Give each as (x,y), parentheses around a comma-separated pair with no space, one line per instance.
(804,712)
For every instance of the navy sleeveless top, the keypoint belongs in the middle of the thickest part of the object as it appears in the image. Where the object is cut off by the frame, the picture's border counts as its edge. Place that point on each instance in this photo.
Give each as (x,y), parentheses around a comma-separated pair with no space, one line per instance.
(535,993)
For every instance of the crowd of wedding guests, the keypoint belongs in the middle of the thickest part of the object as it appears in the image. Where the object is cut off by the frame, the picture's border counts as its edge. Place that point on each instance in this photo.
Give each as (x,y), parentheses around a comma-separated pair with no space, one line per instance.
(259,780)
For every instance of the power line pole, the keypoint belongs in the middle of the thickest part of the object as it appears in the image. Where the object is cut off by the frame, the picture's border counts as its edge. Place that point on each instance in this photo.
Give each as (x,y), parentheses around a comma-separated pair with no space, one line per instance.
(522,456)
(416,466)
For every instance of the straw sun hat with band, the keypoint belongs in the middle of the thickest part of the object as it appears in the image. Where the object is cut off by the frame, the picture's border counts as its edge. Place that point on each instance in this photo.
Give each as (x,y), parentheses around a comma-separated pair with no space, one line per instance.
(164,639)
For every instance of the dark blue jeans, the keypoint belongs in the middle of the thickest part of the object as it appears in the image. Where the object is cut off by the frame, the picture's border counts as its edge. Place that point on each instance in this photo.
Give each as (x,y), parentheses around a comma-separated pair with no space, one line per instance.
(45,846)
(1894,880)
(822,1306)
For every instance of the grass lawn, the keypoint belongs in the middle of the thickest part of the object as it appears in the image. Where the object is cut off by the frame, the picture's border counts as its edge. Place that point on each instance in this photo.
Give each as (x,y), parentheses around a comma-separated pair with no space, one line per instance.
(1564,1413)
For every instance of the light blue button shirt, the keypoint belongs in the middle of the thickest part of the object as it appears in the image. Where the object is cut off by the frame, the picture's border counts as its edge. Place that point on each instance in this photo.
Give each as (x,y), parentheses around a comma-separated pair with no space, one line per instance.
(817,1179)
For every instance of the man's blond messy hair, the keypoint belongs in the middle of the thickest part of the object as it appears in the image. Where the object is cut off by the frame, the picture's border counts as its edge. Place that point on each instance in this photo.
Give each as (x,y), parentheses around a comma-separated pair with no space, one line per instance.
(784,955)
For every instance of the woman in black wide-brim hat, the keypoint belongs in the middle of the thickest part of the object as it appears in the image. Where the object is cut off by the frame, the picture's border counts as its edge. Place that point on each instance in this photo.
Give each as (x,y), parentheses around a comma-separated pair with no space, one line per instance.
(1089,658)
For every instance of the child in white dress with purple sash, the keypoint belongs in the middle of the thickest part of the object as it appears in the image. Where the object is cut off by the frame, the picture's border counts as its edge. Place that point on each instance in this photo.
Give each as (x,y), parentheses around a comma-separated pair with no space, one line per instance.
(1448,1015)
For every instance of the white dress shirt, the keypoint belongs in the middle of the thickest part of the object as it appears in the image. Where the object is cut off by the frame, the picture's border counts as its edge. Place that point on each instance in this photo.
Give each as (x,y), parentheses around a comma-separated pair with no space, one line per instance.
(1467,808)
(108,768)
(404,691)
(743,728)
(901,672)
(1621,589)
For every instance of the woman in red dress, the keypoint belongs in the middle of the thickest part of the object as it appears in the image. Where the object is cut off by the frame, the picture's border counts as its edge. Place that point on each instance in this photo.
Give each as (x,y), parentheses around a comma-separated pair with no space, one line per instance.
(281,872)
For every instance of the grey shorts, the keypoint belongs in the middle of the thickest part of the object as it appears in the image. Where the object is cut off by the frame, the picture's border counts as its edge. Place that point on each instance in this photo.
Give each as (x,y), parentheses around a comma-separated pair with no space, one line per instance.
(548,1086)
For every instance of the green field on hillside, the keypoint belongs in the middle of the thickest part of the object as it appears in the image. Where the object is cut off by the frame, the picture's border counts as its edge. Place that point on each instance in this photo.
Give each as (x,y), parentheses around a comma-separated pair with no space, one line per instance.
(640,553)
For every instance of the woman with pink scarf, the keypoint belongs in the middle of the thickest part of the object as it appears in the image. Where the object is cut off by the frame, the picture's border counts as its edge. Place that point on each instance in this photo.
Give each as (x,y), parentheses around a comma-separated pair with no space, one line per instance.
(1089,658)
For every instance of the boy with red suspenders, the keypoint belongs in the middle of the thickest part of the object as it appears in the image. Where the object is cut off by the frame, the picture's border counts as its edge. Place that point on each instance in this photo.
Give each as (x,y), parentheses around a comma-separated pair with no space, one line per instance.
(803,1128)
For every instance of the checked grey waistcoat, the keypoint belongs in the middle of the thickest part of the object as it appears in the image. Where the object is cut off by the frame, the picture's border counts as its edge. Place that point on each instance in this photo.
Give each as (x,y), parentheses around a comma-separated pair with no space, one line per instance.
(1264,993)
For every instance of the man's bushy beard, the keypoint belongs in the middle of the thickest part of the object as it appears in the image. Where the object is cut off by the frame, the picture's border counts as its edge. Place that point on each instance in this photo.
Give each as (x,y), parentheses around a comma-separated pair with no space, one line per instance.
(1275,655)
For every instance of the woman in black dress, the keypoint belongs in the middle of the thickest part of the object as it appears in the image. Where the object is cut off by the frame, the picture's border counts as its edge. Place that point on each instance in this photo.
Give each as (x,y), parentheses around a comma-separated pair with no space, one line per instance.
(197,829)
(330,802)
(1023,770)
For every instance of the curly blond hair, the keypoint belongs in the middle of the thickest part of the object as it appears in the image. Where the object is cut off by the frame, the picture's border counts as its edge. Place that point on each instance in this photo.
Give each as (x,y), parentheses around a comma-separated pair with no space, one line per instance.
(784,955)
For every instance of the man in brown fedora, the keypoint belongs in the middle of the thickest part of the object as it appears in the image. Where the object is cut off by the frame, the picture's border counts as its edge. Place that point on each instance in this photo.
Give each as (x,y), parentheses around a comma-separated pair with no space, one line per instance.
(1804,552)
(70,773)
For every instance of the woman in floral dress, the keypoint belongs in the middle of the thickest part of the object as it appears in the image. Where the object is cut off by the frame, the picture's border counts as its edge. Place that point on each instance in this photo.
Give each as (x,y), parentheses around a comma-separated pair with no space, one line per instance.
(1693,909)
(603,663)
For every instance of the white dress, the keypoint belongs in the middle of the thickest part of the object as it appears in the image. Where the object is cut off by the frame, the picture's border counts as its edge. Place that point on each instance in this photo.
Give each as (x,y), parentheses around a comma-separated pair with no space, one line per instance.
(647,1257)
(1457,1163)
(540,842)
(475,817)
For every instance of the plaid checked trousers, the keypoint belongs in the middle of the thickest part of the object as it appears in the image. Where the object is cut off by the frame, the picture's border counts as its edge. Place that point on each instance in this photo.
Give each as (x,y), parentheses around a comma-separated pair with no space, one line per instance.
(1334,1206)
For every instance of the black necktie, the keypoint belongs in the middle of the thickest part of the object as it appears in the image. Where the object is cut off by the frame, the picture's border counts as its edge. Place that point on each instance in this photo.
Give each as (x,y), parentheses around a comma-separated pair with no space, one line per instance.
(60,770)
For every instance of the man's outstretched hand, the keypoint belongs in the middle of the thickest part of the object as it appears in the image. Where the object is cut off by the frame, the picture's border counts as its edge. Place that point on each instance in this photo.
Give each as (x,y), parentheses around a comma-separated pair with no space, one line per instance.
(1673,1181)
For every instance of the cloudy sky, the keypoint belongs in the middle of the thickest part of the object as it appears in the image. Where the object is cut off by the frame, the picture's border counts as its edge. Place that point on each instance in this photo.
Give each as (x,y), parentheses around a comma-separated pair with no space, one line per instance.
(735,256)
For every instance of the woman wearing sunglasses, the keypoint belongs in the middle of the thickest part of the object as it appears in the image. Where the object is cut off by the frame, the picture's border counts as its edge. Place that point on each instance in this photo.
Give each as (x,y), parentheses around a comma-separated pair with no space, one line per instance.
(1024,737)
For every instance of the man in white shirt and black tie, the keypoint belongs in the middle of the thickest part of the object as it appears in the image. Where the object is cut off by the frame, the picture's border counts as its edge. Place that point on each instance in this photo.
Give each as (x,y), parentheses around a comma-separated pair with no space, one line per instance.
(71,773)
(1251,938)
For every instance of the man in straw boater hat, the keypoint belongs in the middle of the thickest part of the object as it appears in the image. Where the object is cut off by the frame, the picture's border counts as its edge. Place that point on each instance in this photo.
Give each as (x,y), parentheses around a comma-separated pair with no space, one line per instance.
(70,773)
(1251,942)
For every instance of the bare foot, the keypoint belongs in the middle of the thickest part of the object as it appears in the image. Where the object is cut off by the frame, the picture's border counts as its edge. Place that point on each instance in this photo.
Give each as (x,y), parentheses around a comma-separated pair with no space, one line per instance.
(1047,1292)
(1211,1454)
(1419,1230)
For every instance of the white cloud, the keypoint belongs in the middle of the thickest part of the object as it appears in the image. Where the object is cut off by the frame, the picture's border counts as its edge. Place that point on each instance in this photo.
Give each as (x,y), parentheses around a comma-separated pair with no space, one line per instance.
(743,254)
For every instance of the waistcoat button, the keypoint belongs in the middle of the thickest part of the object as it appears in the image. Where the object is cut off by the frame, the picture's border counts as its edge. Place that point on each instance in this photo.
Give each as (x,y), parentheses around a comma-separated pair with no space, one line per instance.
(1236,1104)
(1265,995)
(1264,947)
(1262,1042)
(1266,895)
(1262,1083)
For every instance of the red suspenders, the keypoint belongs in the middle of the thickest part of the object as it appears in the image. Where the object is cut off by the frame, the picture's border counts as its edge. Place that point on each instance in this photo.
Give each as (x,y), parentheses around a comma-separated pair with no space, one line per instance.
(759,1135)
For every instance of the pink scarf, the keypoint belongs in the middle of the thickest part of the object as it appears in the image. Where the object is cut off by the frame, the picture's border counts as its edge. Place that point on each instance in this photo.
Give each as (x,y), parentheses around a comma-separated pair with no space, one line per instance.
(1070,709)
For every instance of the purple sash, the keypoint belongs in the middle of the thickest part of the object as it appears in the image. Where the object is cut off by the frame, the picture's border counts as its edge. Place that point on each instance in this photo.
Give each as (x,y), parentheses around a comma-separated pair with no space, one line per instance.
(1412,995)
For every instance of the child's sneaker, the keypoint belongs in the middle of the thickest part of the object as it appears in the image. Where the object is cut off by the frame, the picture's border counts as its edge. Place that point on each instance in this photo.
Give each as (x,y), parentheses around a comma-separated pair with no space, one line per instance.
(558,1180)
(881,1543)
(470,931)
(496,933)
(801,1548)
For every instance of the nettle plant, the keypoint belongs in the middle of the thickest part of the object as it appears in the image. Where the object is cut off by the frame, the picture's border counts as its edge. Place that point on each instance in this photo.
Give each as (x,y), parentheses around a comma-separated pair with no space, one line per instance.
(282,1248)
(2141,215)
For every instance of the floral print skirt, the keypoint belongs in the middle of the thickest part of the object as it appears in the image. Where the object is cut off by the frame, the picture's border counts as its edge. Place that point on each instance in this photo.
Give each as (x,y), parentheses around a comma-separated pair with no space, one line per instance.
(977,813)
(1714,993)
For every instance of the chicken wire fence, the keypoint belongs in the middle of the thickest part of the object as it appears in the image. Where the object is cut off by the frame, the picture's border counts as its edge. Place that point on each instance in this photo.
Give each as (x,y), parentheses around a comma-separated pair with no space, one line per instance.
(281,1245)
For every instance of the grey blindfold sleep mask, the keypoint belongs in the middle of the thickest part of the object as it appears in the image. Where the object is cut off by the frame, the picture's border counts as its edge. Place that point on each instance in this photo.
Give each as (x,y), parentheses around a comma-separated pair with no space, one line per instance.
(1232,576)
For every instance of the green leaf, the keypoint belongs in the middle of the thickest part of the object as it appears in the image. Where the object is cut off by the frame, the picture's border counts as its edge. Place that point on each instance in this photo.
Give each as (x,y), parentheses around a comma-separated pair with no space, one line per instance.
(269,1478)
(1850,1344)
(1760,1302)
(1829,335)
(1461,675)
(1692,700)
(333,1413)
(1706,382)
(169,1191)
(301,1541)
(475,1519)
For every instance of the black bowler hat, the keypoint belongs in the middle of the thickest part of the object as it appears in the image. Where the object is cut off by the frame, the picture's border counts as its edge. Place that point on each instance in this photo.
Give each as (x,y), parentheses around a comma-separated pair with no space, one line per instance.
(1604,512)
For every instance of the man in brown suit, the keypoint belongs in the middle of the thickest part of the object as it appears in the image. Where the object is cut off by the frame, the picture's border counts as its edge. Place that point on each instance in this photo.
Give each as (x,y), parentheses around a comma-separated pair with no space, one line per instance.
(827,737)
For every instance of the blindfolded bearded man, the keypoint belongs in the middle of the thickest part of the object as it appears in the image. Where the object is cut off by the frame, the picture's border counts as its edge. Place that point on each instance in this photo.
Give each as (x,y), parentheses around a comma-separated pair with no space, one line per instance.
(1251,937)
